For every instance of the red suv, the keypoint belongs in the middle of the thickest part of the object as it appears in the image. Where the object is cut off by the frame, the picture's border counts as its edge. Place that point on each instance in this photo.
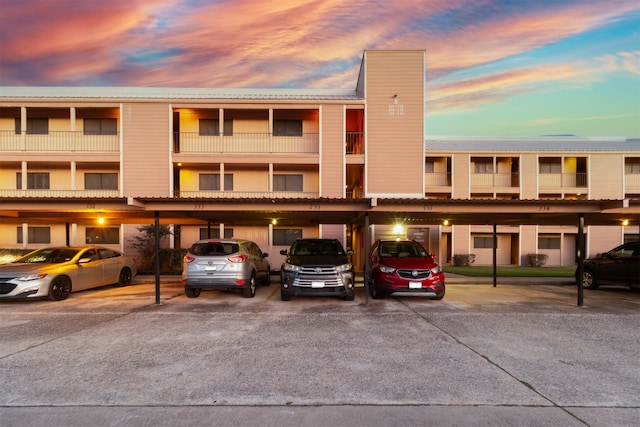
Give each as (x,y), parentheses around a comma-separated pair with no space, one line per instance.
(403,266)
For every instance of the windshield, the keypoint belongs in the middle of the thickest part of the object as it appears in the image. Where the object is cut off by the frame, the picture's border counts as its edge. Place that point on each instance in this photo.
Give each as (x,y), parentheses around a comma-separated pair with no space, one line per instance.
(48,256)
(317,247)
(402,250)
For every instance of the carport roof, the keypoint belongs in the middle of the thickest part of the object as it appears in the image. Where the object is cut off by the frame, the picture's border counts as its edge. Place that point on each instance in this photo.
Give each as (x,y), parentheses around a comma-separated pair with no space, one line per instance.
(290,212)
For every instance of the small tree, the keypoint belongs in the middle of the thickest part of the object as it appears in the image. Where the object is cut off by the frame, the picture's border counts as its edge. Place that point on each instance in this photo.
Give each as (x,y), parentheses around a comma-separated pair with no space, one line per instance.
(145,243)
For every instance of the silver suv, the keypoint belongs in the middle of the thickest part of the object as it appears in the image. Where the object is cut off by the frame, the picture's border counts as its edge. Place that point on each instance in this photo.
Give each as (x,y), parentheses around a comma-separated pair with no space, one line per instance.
(228,264)
(317,267)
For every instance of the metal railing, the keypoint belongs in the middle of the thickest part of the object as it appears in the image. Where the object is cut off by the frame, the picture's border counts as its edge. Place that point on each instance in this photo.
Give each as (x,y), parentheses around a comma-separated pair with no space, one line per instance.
(43,193)
(58,141)
(495,180)
(438,179)
(246,194)
(560,180)
(193,142)
(354,143)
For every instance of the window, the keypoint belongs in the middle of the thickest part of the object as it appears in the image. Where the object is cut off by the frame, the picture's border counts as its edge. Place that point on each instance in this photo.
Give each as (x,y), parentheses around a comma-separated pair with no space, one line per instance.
(550,165)
(100,126)
(35,126)
(108,253)
(101,181)
(35,180)
(430,166)
(483,242)
(548,242)
(287,182)
(36,235)
(103,235)
(211,182)
(483,165)
(215,233)
(285,237)
(632,165)
(212,127)
(287,128)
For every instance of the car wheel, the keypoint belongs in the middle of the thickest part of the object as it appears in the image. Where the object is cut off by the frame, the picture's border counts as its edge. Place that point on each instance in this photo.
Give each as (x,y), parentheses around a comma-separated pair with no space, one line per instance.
(284,296)
(125,277)
(250,291)
(267,280)
(192,292)
(439,294)
(374,291)
(59,289)
(349,297)
(589,280)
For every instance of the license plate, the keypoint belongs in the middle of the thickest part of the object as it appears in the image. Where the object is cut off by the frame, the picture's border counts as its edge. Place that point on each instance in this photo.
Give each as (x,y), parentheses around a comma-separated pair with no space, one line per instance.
(317,284)
(415,285)
(210,268)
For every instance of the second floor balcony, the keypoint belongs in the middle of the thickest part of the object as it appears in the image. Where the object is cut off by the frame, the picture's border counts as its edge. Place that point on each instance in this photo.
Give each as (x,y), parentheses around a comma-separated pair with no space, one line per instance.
(58,141)
(562,180)
(495,180)
(194,142)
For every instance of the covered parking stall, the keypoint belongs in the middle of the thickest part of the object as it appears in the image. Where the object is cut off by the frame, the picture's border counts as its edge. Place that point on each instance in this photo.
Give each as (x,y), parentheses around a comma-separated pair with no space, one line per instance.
(357,214)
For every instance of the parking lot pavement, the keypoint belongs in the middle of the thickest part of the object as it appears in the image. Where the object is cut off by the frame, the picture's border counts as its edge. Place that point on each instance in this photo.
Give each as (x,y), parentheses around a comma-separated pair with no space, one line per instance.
(510,355)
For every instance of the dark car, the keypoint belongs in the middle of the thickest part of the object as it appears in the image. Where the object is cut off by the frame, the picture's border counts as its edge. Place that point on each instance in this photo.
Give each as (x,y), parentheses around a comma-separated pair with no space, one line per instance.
(317,267)
(228,264)
(403,266)
(619,266)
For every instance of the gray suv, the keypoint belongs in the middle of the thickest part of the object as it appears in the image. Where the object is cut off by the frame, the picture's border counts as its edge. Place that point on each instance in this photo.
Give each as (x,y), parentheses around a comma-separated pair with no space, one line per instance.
(317,267)
(224,264)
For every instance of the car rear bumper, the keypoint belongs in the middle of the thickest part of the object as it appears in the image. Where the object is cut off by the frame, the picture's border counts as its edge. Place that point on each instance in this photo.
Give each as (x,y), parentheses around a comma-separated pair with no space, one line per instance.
(215,283)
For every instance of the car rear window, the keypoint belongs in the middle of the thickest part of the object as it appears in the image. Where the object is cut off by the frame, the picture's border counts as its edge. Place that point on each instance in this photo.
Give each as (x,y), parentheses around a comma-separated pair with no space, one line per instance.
(214,248)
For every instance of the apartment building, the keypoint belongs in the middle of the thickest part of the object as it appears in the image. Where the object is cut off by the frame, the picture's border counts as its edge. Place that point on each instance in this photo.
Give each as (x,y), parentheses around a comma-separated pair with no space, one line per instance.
(92,164)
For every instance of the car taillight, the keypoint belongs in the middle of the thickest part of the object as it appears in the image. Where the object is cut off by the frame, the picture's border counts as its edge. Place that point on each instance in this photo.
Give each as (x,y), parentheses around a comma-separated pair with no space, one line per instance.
(238,258)
(188,259)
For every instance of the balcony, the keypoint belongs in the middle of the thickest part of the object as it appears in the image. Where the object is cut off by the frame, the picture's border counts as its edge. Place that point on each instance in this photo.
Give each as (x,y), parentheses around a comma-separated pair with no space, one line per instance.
(562,180)
(246,195)
(495,180)
(194,142)
(58,141)
(43,193)
(632,183)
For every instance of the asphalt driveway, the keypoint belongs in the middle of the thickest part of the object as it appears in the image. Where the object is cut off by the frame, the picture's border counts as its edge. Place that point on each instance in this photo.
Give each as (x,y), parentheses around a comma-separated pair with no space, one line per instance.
(518,354)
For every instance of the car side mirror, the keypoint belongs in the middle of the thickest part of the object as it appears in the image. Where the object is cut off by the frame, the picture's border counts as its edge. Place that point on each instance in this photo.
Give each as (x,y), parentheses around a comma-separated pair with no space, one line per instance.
(433,256)
(264,255)
(283,252)
(350,252)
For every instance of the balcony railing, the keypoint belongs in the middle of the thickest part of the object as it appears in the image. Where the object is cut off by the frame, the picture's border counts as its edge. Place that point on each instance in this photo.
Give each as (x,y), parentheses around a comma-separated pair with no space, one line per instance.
(438,179)
(41,193)
(246,194)
(632,181)
(354,143)
(58,141)
(193,142)
(495,180)
(560,180)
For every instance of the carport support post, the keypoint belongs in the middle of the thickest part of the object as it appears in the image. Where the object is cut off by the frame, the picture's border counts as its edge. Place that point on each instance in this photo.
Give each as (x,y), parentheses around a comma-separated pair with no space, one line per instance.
(495,255)
(580,259)
(157,254)
(367,245)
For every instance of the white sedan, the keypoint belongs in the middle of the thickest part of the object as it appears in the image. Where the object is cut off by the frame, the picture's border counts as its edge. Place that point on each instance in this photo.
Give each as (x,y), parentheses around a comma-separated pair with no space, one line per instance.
(56,272)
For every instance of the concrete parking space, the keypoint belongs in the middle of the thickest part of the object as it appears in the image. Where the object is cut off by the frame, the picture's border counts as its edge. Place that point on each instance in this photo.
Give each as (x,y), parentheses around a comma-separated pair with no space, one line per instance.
(515,354)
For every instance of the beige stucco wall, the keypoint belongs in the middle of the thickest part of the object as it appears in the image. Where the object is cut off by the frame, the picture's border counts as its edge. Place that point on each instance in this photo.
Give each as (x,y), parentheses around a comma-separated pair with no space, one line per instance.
(332,164)
(395,122)
(146,151)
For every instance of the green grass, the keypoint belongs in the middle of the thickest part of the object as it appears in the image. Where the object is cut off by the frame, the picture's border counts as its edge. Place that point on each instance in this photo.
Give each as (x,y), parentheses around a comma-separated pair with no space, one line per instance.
(511,271)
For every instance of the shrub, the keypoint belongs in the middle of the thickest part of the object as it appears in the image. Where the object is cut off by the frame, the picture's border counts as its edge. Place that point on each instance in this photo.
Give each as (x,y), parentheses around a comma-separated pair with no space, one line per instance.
(463,260)
(537,260)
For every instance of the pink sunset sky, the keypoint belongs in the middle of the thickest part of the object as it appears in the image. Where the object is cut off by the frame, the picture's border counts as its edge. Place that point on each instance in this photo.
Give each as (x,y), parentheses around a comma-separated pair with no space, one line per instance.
(494,68)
